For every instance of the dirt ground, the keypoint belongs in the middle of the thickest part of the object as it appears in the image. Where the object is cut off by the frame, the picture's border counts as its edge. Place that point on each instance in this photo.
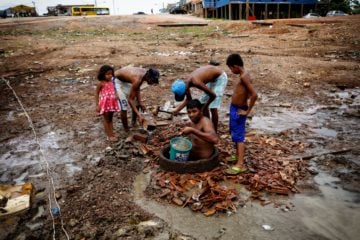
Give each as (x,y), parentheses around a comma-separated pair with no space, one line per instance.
(51,63)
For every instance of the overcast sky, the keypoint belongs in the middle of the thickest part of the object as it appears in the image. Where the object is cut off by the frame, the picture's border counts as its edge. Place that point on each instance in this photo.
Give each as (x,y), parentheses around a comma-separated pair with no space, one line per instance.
(120,6)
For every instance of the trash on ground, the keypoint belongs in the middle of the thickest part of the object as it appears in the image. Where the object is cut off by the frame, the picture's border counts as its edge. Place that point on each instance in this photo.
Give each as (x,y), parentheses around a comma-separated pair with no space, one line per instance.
(15,199)
(267,227)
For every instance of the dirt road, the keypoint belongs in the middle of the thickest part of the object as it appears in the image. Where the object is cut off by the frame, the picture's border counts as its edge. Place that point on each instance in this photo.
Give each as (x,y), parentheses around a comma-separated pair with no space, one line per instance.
(307,75)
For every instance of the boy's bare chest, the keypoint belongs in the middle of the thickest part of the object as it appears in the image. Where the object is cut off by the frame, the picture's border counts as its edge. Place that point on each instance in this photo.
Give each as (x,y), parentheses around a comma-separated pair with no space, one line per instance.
(239,89)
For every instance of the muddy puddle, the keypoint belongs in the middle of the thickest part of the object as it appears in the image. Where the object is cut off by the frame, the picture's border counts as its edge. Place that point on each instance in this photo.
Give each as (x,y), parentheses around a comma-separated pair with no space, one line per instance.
(330,214)
(26,158)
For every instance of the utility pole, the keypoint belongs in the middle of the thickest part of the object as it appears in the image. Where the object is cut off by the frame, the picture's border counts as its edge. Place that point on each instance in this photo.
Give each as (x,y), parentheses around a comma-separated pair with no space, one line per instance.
(247,10)
(33,2)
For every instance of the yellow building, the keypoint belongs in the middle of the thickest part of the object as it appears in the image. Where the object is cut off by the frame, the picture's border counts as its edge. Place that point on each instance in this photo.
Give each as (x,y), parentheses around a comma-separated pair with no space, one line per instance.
(21,11)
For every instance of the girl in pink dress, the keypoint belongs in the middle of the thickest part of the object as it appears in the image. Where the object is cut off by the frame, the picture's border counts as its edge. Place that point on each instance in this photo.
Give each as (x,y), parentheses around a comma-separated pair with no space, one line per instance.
(108,103)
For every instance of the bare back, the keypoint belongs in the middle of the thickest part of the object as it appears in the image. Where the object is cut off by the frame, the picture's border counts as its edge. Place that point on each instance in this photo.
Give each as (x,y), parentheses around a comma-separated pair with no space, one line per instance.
(131,75)
(204,74)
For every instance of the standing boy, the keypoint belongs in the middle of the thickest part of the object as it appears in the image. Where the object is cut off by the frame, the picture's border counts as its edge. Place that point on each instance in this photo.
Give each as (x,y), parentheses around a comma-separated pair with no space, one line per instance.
(201,132)
(210,79)
(128,81)
(242,101)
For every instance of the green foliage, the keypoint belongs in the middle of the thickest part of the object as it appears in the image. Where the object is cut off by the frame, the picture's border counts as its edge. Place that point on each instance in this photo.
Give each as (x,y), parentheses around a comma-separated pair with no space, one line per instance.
(355,5)
(329,5)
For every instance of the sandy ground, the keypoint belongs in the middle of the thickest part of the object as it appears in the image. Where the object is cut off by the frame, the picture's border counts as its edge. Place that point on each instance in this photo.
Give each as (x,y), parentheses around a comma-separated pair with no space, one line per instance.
(300,68)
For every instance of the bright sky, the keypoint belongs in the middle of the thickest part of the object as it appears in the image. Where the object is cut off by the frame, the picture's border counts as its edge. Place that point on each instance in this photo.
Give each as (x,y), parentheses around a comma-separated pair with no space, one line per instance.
(120,6)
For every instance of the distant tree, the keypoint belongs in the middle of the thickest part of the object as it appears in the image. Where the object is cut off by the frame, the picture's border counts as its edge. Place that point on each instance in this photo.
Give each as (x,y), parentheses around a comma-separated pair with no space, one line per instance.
(355,6)
(327,5)
(343,5)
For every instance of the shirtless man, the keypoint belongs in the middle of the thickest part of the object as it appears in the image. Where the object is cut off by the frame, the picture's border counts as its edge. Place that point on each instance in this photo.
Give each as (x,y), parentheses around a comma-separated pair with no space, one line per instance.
(128,81)
(242,101)
(210,79)
(201,132)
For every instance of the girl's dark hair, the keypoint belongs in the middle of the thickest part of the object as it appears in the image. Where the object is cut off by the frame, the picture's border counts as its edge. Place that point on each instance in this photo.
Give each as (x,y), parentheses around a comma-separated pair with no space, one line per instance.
(234,59)
(194,103)
(103,70)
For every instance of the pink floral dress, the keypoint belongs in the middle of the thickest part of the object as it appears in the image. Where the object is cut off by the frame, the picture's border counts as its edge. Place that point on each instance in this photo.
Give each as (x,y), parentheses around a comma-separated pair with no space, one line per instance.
(108,100)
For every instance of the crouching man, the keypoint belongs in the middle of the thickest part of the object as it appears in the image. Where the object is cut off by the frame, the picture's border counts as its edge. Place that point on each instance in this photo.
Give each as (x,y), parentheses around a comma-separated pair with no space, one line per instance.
(201,132)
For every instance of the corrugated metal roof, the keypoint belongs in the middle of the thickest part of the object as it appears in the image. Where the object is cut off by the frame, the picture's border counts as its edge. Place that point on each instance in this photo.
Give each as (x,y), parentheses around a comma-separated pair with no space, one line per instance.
(21,8)
(194,1)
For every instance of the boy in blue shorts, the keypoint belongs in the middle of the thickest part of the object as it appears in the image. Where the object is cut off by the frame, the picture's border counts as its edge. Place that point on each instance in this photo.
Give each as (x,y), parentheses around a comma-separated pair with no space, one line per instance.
(242,101)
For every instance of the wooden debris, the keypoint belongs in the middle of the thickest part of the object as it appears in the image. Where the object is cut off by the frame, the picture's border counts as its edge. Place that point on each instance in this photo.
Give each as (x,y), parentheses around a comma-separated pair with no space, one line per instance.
(15,199)
(149,123)
(139,137)
(239,36)
(262,23)
(144,149)
(182,24)
(271,170)
(296,25)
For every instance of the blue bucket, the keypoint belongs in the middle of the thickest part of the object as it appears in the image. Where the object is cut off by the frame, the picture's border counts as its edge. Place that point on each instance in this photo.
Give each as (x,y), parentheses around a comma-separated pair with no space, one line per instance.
(180,149)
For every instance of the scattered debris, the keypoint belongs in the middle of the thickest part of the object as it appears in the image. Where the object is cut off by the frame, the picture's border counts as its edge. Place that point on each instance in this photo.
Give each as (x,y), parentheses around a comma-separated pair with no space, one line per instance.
(15,199)
(296,25)
(267,227)
(182,24)
(149,123)
(239,36)
(262,23)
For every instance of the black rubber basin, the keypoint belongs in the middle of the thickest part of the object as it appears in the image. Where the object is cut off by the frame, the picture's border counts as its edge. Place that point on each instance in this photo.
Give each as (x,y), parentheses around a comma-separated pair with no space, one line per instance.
(201,165)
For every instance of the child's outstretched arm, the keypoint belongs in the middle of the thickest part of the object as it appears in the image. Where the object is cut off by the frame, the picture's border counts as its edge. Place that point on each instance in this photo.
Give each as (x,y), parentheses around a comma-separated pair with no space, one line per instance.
(187,99)
(207,134)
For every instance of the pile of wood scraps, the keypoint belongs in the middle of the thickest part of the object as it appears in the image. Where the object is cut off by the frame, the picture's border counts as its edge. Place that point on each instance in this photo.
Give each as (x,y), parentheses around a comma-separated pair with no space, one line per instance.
(268,159)
(203,192)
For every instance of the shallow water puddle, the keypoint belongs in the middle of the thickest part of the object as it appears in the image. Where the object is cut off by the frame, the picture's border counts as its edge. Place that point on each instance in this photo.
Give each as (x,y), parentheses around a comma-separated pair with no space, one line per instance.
(23,156)
(324,215)
(333,213)
(326,132)
(71,169)
(280,121)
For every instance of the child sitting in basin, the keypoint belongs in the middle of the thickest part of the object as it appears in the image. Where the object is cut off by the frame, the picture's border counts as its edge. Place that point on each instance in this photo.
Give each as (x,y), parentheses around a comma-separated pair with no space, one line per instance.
(201,132)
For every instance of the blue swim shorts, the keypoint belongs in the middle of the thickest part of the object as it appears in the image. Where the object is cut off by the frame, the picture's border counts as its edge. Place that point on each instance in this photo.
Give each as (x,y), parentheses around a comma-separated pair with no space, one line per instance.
(237,123)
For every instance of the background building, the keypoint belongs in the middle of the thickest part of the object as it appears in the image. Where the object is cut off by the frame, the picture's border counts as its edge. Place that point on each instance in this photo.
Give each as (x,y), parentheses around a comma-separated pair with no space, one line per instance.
(20,11)
(251,9)
(77,10)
